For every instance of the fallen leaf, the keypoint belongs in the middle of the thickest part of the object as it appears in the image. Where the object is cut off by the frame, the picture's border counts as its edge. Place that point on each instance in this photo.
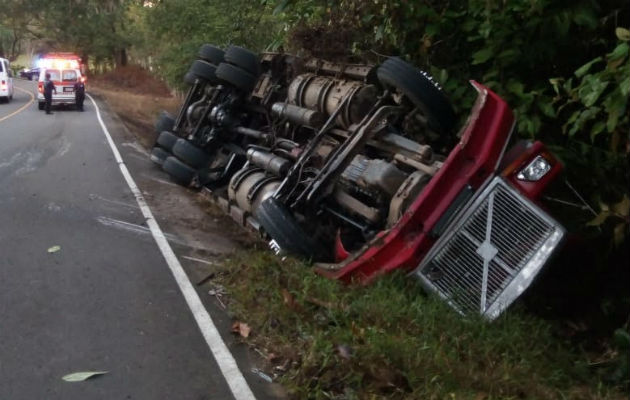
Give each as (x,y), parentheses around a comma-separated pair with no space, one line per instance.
(241,328)
(54,249)
(356,331)
(599,219)
(288,298)
(82,376)
(622,34)
(623,207)
(321,303)
(344,351)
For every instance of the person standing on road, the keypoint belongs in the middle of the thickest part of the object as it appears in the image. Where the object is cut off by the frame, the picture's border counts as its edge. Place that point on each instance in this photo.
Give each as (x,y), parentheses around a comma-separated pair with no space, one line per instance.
(49,87)
(79,94)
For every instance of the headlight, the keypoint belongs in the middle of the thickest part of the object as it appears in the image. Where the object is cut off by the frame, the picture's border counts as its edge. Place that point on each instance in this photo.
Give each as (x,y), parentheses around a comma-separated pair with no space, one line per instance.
(534,170)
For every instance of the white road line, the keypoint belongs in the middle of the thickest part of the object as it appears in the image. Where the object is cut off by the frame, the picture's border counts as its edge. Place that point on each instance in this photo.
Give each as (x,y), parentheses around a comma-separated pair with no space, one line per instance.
(235,379)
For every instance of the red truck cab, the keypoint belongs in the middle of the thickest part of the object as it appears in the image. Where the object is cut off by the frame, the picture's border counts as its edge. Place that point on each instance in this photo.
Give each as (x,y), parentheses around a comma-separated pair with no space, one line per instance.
(475,236)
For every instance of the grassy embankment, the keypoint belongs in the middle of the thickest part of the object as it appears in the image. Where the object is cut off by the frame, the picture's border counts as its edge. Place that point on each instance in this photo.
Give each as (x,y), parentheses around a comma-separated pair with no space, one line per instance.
(323,340)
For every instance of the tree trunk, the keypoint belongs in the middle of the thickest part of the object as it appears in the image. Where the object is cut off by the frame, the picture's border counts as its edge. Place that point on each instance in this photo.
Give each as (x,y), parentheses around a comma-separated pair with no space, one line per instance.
(120,57)
(15,48)
(85,59)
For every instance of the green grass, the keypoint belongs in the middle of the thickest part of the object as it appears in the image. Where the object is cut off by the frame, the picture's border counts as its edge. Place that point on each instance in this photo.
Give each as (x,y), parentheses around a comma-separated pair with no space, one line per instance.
(389,340)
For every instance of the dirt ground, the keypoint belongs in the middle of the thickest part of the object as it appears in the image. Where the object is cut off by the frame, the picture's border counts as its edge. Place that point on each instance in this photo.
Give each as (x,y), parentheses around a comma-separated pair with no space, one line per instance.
(137,98)
(133,79)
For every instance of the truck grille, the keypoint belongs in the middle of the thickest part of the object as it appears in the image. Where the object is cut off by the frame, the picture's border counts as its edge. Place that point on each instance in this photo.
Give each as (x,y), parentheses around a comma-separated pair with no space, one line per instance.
(490,254)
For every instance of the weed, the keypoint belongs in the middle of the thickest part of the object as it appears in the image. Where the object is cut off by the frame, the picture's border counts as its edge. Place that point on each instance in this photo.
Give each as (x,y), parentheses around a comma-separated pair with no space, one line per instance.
(390,340)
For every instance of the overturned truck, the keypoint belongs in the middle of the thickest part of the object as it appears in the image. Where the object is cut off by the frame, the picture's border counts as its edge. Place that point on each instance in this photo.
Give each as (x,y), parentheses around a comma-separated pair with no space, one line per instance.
(359,169)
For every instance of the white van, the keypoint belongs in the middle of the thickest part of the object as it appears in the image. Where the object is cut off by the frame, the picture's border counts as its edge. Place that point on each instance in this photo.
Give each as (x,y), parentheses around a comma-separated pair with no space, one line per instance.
(6,80)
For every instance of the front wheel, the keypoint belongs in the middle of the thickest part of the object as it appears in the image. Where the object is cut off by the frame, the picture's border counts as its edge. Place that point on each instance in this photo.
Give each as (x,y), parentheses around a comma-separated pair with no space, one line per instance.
(41,105)
(421,89)
(280,224)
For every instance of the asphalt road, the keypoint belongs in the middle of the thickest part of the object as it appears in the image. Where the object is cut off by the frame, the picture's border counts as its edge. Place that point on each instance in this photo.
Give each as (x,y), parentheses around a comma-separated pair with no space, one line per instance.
(107,299)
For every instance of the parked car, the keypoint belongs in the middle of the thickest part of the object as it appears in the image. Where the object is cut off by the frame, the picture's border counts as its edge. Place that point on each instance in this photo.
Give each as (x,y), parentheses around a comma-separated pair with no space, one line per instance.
(29,73)
(6,80)
(360,169)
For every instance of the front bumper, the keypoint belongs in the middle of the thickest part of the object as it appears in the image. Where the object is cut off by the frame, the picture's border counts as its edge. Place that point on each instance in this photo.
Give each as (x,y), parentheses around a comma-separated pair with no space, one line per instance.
(491,252)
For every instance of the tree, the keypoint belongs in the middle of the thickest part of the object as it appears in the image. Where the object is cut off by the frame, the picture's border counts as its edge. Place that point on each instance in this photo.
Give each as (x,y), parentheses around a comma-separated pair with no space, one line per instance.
(18,22)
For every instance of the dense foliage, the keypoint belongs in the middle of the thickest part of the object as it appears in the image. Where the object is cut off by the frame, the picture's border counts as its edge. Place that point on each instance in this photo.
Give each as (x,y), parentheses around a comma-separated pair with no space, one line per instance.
(96,29)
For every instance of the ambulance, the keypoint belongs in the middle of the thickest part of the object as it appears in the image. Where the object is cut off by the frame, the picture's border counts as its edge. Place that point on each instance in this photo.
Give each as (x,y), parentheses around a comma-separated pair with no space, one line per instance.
(65,70)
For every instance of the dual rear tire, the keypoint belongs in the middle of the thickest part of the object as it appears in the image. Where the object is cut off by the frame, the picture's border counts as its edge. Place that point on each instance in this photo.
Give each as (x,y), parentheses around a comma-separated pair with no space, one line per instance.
(240,69)
(179,171)
(179,158)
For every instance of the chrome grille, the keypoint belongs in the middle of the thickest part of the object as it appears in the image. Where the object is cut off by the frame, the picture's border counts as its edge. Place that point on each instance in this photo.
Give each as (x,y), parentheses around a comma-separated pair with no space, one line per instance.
(491,253)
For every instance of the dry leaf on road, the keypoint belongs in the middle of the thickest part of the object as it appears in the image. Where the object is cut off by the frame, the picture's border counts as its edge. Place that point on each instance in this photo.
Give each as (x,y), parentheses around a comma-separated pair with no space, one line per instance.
(241,328)
(82,376)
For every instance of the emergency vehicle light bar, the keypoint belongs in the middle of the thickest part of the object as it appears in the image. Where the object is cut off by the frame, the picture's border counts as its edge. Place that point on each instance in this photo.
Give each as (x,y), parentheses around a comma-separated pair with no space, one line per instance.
(58,63)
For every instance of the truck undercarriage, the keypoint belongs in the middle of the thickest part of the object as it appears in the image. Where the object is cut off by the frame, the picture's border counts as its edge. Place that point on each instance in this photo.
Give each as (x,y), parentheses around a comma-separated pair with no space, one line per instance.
(358,168)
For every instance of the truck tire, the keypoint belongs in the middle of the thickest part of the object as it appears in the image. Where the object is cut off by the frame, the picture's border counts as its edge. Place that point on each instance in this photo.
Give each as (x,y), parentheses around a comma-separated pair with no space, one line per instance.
(203,70)
(178,171)
(192,155)
(190,78)
(158,155)
(167,140)
(236,77)
(244,59)
(212,54)
(280,224)
(164,122)
(41,106)
(421,89)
